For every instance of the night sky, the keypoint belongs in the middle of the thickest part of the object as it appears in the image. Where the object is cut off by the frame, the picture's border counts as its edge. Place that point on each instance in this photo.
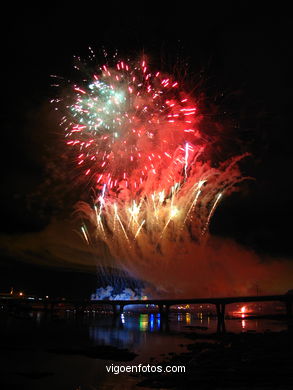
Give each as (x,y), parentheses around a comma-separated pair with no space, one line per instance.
(243,59)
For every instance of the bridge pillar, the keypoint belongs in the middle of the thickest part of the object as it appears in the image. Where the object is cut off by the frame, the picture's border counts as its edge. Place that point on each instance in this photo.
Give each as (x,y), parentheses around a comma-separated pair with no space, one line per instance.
(167,310)
(289,309)
(221,317)
(121,308)
(164,310)
(115,309)
(79,309)
(161,310)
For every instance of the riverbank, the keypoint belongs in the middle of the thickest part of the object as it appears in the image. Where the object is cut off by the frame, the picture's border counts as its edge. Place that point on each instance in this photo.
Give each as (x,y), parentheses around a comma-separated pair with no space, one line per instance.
(232,361)
(68,351)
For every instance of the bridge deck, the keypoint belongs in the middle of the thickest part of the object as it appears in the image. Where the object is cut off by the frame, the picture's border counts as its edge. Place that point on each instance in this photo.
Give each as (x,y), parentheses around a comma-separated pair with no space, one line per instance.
(159,302)
(215,301)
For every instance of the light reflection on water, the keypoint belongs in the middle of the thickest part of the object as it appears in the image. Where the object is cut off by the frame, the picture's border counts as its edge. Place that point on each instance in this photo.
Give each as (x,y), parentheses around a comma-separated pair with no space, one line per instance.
(134,322)
(29,342)
(134,328)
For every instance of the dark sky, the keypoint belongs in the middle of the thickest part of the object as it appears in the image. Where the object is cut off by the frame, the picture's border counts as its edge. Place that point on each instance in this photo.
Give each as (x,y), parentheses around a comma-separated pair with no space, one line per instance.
(243,54)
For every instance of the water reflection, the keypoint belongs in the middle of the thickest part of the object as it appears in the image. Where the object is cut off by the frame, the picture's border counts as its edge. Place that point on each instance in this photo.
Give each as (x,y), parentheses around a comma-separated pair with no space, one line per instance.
(143,322)
(126,329)
(34,336)
(179,317)
(132,328)
(152,322)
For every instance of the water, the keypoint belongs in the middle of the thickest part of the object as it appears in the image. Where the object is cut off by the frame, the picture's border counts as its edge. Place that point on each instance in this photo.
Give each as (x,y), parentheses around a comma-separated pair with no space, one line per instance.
(28,345)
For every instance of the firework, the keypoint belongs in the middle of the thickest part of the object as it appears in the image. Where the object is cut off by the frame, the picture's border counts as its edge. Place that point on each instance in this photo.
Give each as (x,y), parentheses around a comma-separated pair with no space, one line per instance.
(136,228)
(138,140)
(127,124)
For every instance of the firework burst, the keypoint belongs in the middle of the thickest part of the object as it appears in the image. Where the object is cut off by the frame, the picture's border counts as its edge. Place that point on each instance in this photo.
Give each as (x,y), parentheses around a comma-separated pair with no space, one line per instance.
(138,140)
(127,124)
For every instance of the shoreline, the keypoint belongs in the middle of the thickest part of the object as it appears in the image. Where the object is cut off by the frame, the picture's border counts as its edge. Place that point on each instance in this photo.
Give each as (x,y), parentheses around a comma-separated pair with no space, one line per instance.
(231,361)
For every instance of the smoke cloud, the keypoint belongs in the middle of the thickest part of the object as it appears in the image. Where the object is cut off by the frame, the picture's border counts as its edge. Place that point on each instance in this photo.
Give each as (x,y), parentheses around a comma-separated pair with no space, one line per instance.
(220,267)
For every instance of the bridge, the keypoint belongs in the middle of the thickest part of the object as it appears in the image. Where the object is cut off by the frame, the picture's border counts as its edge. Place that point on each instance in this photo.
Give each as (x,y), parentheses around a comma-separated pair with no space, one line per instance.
(220,304)
(162,304)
